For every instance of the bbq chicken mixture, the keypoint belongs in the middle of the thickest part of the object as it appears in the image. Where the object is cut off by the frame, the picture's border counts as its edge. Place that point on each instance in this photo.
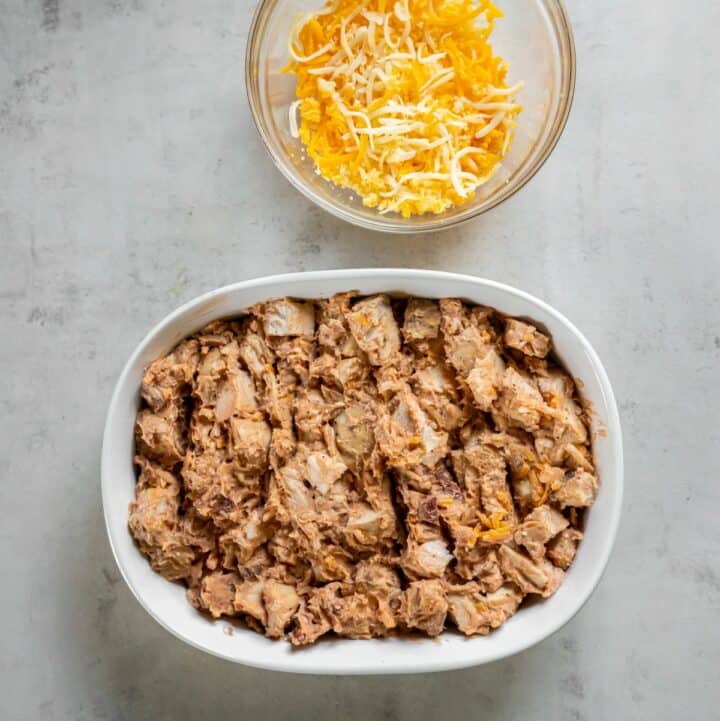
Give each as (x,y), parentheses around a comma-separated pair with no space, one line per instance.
(362,465)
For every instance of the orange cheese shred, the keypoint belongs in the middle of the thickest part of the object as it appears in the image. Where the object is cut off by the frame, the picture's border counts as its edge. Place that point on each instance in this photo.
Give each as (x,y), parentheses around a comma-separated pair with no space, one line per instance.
(402,102)
(492,529)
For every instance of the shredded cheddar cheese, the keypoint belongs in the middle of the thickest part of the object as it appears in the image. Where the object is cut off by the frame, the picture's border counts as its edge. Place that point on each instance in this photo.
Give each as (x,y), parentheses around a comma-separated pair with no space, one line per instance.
(540,489)
(492,529)
(544,496)
(402,102)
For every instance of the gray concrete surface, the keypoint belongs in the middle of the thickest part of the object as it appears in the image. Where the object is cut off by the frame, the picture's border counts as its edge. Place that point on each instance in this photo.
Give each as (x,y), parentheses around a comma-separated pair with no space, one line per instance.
(131,180)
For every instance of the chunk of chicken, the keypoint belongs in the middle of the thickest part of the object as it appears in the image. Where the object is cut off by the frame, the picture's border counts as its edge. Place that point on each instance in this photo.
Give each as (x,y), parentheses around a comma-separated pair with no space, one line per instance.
(294,356)
(453,316)
(334,336)
(502,604)
(550,451)
(251,442)
(537,528)
(347,373)
(480,563)
(426,560)
(483,471)
(532,485)
(239,543)
(406,435)
(384,528)
(352,614)
(354,434)
(283,317)
(330,562)
(278,399)
(375,330)
(373,577)
(422,508)
(516,447)
(425,607)
(366,526)
(562,549)
(310,621)
(464,610)
(578,457)
(236,395)
(568,425)
(382,584)
(526,338)
(422,320)
(196,532)
(435,391)
(313,409)
(154,523)
(153,475)
(464,349)
(160,436)
(530,577)
(578,490)
(260,562)
(166,377)
(216,364)
(284,547)
(249,599)
(520,403)
(466,338)
(281,601)
(298,499)
(485,378)
(323,470)
(217,593)
(256,354)
(475,613)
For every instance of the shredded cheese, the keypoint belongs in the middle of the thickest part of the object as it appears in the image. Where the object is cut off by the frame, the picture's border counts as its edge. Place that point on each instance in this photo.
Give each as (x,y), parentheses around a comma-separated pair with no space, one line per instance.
(492,529)
(402,102)
(294,131)
(541,491)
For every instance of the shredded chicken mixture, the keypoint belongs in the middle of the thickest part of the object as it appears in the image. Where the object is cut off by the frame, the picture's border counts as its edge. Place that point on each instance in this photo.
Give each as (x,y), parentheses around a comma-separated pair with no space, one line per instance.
(359,466)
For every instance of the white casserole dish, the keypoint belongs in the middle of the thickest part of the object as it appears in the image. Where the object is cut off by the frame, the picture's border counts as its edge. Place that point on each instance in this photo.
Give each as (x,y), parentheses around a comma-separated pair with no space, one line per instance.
(166,601)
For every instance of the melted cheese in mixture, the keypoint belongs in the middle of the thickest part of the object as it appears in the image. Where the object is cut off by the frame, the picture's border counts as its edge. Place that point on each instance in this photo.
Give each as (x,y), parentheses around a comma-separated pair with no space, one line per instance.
(402,102)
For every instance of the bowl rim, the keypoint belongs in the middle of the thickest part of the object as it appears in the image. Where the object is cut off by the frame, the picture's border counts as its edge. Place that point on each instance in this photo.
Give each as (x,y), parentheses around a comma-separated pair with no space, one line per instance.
(614,432)
(390,223)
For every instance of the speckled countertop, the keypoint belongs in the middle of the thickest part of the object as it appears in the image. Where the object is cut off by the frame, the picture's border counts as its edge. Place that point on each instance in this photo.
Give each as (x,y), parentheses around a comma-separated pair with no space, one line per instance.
(131,179)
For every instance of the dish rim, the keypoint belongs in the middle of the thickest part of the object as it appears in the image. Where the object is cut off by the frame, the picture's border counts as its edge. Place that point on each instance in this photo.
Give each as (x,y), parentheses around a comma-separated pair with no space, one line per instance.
(614,432)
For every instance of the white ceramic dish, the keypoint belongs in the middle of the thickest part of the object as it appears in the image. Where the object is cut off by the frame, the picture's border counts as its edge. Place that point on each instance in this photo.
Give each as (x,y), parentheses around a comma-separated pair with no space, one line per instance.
(166,601)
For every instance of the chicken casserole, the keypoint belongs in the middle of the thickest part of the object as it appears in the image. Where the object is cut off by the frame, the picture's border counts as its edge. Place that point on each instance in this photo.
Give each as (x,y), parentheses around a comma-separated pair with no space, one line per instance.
(358,466)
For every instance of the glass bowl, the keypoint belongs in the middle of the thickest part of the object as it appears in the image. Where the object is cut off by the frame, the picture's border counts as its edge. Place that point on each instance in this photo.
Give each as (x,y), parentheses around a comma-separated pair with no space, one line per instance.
(534,37)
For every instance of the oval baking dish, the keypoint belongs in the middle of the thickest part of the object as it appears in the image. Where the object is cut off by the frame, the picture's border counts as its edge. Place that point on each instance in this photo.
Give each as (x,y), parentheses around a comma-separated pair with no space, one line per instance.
(166,601)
